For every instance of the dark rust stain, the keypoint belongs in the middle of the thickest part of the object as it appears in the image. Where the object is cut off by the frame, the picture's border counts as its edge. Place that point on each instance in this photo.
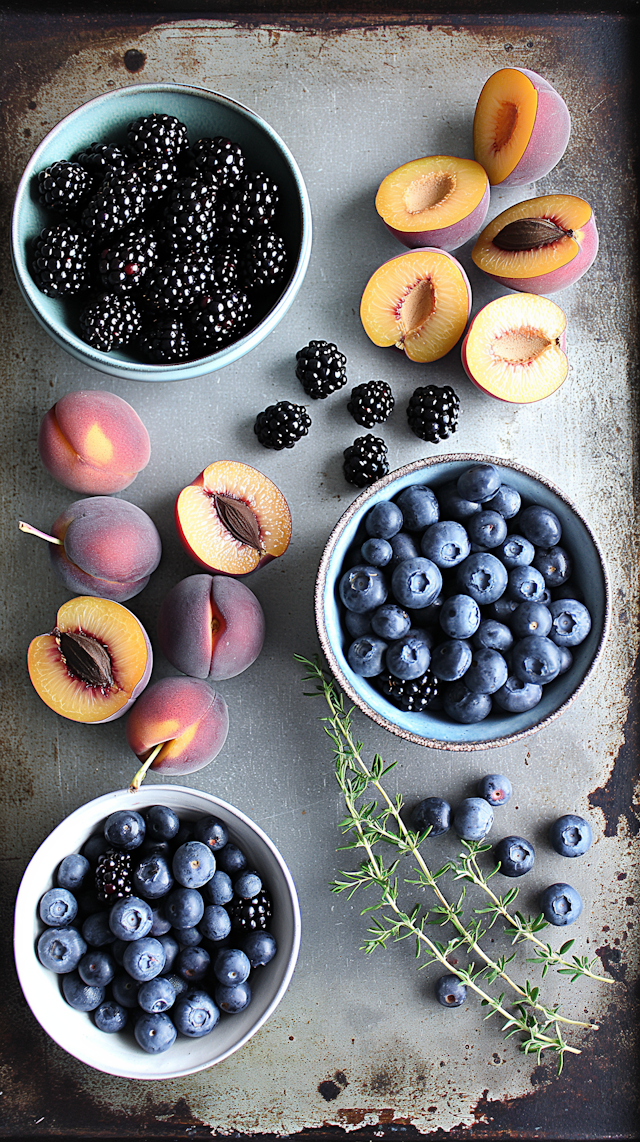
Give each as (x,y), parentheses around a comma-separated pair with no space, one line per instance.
(331,1088)
(615,798)
(134,60)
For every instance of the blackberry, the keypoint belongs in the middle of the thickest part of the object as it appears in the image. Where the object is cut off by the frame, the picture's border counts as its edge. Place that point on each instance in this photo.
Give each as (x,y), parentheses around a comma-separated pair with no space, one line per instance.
(222,266)
(113,876)
(120,201)
(158,134)
(371,403)
(65,187)
(248,915)
(218,319)
(125,261)
(190,218)
(432,412)
(251,203)
(174,286)
(100,158)
(159,176)
(164,340)
(365,461)
(220,157)
(415,696)
(60,264)
(262,261)
(282,424)
(321,369)
(110,321)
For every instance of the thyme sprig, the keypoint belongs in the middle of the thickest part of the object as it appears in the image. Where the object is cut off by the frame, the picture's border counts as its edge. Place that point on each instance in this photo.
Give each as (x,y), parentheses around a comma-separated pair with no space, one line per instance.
(368,823)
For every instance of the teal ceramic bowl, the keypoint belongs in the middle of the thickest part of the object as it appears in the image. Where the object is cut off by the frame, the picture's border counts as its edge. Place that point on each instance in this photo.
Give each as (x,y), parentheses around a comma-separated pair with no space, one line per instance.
(435,729)
(206,114)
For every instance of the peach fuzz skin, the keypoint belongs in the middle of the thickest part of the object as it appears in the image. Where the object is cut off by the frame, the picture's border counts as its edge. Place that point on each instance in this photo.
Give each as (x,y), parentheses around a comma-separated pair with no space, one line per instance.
(93,442)
(549,133)
(188,715)
(211,626)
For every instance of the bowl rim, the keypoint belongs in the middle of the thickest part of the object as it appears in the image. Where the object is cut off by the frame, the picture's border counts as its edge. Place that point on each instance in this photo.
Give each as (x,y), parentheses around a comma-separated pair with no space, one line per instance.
(98,808)
(423,465)
(141,371)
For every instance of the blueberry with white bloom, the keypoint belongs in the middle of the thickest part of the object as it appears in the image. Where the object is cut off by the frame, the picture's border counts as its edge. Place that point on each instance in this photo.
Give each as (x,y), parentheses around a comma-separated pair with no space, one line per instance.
(570,622)
(72,871)
(473,818)
(540,525)
(110,1016)
(487,528)
(446,543)
(536,660)
(516,856)
(479,483)
(495,788)
(451,659)
(487,671)
(531,618)
(362,588)
(526,585)
(450,991)
(493,634)
(365,655)
(554,564)
(416,583)
(419,506)
(409,657)
(571,835)
(516,551)
(390,621)
(154,1032)
(80,995)
(560,904)
(507,501)
(58,907)
(384,520)
(459,616)
(482,576)
(61,949)
(195,1014)
(463,706)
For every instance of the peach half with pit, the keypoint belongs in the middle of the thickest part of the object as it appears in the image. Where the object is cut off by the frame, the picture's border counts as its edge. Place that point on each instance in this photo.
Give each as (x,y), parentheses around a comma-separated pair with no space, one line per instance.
(419,302)
(211,626)
(93,442)
(521,127)
(514,349)
(94,663)
(434,201)
(539,246)
(232,519)
(179,728)
(102,546)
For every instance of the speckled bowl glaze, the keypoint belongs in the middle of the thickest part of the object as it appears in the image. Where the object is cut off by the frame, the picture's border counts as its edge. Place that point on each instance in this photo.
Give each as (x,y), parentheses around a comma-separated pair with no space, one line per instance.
(206,114)
(435,730)
(118,1054)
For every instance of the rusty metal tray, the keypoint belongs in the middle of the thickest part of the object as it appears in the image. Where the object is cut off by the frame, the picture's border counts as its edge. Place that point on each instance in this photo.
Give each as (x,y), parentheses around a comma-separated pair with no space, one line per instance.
(355,1047)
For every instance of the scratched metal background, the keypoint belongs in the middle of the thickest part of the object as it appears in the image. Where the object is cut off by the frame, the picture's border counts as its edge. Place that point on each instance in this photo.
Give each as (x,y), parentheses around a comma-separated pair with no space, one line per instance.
(357,1045)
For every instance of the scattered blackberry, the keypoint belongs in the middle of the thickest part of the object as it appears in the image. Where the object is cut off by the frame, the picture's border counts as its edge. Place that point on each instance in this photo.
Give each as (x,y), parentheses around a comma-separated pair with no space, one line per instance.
(100,158)
(174,285)
(110,321)
(248,915)
(164,340)
(414,696)
(432,412)
(321,369)
(220,157)
(65,187)
(371,403)
(262,261)
(282,424)
(218,319)
(252,203)
(125,261)
(60,266)
(158,134)
(120,201)
(365,461)
(113,876)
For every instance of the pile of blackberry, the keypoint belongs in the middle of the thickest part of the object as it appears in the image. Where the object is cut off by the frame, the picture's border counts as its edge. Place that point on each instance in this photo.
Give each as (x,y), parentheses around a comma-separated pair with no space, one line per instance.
(168,249)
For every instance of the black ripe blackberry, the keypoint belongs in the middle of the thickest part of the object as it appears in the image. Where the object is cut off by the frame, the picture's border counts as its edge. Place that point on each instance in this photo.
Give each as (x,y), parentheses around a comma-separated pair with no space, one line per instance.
(158,134)
(222,266)
(432,412)
(121,201)
(159,176)
(65,187)
(414,696)
(60,264)
(100,158)
(113,876)
(251,204)
(281,425)
(218,319)
(174,286)
(371,403)
(128,257)
(365,461)
(110,321)
(321,369)
(190,218)
(220,157)
(262,261)
(164,340)
(249,915)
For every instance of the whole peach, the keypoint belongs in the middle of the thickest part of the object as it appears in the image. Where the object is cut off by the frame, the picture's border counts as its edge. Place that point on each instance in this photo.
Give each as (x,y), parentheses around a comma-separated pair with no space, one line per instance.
(211,626)
(108,547)
(93,442)
(181,723)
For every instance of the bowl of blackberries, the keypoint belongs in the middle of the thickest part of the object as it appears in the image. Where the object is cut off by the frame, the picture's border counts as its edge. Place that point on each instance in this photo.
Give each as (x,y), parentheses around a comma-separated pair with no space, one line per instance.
(462,602)
(155,932)
(160,232)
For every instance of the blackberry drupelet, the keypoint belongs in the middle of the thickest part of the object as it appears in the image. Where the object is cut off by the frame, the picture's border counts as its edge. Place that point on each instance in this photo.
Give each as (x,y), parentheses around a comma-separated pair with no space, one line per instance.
(219,319)
(371,403)
(100,158)
(164,340)
(281,425)
(248,915)
(262,262)
(60,265)
(432,412)
(110,321)
(218,156)
(120,202)
(321,369)
(125,261)
(113,876)
(65,187)
(158,134)
(365,461)
(414,696)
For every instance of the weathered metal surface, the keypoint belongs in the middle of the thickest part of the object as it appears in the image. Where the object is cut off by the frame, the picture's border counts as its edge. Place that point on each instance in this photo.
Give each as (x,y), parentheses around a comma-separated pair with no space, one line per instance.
(357,1045)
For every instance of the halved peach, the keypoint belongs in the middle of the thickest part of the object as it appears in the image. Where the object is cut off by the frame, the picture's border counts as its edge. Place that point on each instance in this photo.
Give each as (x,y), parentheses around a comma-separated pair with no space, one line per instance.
(94,663)
(521,127)
(419,301)
(514,349)
(233,519)
(435,201)
(539,246)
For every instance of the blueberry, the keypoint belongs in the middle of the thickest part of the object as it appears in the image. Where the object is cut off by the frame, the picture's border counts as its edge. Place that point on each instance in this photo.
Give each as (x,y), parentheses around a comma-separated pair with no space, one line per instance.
(97,968)
(487,672)
(363,588)
(154,1032)
(390,621)
(231,859)
(160,925)
(143,959)
(541,526)
(110,1016)
(409,657)
(184,907)
(171,949)
(247,885)
(570,622)
(79,995)
(94,847)
(570,835)
(130,918)
(125,829)
(376,552)
(152,877)
(419,506)
(58,907)
(482,576)
(493,634)
(403,546)
(97,931)
(162,824)
(516,551)
(459,616)
(188,937)
(525,584)
(356,624)
(561,904)
(502,609)
(156,995)
(554,564)
(495,789)
(231,966)
(416,582)
(473,818)
(117,950)
(219,890)
(531,619)
(260,947)
(566,659)
(507,501)
(61,949)
(450,991)
(515,696)
(125,990)
(479,483)
(462,706)
(195,1014)
(365,655)
(446,543)
(455,506)
(384,520)
(451,659)
(536,660)
(232,998)
(193,964)
(431,813)
(215,923)
(72,871)
(487,528)
(193,864)
(516,856)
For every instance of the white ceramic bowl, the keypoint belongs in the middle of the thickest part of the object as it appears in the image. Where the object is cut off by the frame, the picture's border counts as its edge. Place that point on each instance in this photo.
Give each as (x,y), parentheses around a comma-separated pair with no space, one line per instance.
(435,729)
(206,115)
(118,1054)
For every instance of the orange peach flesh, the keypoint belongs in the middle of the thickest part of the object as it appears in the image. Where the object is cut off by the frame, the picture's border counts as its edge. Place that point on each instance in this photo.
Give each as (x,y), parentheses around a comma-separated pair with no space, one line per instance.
(503,123)
(430,193)
(114,627)
(514,352)
(566,210)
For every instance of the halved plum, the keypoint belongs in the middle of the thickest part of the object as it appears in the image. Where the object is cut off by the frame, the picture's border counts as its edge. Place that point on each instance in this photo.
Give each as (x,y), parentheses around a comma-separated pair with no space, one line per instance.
(434,201)
(514,349)
(521,127)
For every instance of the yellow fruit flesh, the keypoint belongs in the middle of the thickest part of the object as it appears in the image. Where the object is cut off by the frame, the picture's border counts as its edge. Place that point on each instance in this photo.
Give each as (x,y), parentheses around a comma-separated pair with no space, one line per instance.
(503,122)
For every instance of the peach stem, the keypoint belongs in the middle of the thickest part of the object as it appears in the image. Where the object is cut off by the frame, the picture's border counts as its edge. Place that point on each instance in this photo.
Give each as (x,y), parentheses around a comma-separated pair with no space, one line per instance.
(41,534)
(141,774)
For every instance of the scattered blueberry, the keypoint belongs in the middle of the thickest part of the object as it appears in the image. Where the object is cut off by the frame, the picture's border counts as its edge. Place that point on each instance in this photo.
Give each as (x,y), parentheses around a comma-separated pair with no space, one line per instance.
(495,788)
(561,904)
(570,835)
(473,818)
(516,856)
(431,813)
(450,991)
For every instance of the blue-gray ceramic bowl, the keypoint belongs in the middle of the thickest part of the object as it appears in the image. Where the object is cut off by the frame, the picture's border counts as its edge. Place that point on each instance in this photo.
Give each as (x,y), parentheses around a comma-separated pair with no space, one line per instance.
(206,114)
(435,729)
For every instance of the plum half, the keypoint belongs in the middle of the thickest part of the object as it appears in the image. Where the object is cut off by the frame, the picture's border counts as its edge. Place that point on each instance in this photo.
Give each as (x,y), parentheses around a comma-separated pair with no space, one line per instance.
(521,127)
(434,201)
(514,349)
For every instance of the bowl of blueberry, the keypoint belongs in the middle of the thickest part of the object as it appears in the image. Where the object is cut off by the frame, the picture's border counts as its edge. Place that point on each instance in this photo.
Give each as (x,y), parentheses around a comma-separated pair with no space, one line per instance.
(155,932)
(160,232)
(462,602)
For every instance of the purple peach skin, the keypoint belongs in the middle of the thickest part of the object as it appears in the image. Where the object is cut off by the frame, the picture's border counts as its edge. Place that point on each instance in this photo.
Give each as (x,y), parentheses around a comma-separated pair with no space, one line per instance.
(110,548)
(211,626)
(549,136)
